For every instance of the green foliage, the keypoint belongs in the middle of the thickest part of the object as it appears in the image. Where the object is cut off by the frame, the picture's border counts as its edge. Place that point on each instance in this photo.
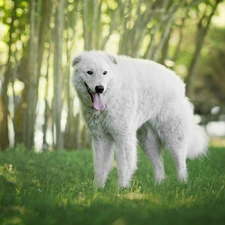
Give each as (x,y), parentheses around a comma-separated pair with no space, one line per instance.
(210,87)
(57,188)
(15,16)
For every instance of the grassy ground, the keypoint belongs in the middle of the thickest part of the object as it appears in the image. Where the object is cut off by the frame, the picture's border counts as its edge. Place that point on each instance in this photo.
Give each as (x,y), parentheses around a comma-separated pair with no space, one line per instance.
(57,188)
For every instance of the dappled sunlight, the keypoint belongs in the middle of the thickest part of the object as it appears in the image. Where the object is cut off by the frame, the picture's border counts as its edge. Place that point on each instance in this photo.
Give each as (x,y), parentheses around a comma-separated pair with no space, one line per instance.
(120,221)
(168,200)
(179,201)
(9,173)
(217,142)
(14,219)
(144,197)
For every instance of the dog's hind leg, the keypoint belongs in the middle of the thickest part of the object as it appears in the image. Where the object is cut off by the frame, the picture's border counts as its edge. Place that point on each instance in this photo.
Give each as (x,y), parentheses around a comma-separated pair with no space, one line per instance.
(174,135)
(150,143)
(179,156)
(103,158)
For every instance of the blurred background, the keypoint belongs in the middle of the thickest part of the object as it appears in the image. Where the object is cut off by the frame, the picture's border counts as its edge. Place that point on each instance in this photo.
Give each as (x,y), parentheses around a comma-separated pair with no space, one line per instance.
(38,39)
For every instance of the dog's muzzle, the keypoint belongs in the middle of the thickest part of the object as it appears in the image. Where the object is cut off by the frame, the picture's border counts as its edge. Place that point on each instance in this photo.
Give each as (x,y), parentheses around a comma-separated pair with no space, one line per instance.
(96,97)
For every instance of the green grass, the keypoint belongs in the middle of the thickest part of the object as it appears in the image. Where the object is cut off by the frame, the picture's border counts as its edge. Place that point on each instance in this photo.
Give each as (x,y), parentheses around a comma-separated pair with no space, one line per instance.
(57,188)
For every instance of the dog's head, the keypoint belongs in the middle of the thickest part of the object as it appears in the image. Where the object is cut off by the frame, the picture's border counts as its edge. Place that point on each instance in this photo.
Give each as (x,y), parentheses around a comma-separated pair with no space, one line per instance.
(93,73)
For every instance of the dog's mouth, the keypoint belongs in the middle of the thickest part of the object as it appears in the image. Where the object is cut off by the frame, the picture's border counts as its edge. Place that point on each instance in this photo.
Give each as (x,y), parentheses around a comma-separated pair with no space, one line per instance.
(90,92)
(96,98)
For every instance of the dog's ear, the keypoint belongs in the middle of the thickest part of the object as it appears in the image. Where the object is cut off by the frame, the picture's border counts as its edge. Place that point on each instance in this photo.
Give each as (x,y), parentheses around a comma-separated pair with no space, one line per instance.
(76,60)
(112,58)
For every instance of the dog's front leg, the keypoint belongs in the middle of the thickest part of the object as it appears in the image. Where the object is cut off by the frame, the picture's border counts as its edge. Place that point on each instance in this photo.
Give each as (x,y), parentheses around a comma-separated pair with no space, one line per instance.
(103,158)
(126,158)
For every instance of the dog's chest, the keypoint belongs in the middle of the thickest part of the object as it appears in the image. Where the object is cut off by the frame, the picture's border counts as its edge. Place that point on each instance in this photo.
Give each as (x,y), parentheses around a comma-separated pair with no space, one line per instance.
(102,121)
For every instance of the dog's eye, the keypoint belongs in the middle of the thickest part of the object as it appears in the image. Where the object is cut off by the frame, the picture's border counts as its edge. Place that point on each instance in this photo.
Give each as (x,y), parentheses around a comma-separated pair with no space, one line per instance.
(105,72)
(89,72)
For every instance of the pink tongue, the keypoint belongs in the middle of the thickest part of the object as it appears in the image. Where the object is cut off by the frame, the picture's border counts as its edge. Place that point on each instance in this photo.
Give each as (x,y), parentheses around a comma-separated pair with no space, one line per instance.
(98,103)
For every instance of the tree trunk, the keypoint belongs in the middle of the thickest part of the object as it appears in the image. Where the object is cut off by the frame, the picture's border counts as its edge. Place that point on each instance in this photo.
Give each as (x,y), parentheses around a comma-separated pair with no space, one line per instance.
(44,26)
(203,27)
(58,73)
(4,132)
(47,112)
(32,80)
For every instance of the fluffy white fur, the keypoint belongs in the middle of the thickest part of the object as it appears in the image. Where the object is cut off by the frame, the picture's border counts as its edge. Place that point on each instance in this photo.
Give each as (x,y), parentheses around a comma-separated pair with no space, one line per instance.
(141,98)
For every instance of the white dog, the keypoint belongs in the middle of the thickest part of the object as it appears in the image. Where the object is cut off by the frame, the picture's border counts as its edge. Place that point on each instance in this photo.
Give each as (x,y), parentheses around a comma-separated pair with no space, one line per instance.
(123,97)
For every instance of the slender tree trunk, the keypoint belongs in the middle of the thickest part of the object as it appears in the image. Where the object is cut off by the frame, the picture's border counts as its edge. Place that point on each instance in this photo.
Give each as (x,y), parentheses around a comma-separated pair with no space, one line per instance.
(58,73)
(47,112)
(44,27)
(32,76)
(19,108)
(87,29)
(203,27)
(4,132)
(69,135)
(177,50)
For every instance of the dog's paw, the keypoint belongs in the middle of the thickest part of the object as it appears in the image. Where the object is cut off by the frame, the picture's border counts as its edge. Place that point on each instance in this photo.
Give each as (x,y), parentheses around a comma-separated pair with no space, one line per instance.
(99,183)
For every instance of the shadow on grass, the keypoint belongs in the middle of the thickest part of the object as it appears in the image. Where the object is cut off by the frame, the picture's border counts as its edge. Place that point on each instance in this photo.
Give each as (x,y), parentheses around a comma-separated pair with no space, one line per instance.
(123,213)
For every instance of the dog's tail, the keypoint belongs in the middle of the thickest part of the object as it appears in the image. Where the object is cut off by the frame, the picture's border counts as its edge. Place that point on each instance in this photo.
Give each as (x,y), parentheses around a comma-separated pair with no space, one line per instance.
(198,143)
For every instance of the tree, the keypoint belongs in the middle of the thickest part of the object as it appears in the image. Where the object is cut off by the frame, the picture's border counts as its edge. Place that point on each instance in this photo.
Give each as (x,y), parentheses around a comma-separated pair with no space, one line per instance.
(202,29)
(42,36)
(32,78)
(58,72)
(209,90)
(10,68)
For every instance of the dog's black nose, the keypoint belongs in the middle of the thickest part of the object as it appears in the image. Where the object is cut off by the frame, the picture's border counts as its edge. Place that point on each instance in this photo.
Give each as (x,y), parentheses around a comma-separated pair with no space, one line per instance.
(99,89)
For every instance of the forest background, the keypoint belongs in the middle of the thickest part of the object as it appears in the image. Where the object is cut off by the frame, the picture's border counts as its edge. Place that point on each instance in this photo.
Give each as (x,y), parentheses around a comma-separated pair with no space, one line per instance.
(39,38)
